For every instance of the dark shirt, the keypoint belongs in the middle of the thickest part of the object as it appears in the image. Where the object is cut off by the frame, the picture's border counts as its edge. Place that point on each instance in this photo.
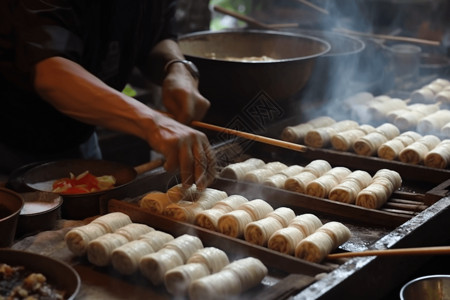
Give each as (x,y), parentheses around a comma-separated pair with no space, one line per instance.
(107,37)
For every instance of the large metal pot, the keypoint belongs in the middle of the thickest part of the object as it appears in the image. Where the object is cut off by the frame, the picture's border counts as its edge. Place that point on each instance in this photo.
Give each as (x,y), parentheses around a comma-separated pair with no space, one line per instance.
(231,85)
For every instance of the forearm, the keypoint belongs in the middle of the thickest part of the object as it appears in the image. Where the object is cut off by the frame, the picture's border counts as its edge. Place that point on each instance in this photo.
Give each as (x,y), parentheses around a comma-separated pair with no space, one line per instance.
(75,92)
(163,52)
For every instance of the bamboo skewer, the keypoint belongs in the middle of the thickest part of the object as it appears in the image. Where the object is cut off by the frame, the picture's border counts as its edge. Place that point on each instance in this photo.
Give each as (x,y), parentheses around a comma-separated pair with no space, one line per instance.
(251,136)
(389,37)
(394,252)
(319,9)
(252,21)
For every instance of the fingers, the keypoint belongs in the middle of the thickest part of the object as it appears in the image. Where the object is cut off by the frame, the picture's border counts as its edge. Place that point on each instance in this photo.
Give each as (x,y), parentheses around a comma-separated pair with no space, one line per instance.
(195,159)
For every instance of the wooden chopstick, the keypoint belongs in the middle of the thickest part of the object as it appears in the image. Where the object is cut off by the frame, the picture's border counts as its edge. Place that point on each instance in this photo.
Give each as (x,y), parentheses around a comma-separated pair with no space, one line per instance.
(389,37)
(319,9)
(252,21)
(241,17)
(251,136)
(393,252)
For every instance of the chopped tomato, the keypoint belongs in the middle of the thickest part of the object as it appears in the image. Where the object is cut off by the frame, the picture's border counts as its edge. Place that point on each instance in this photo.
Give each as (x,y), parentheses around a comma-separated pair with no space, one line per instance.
(83,183)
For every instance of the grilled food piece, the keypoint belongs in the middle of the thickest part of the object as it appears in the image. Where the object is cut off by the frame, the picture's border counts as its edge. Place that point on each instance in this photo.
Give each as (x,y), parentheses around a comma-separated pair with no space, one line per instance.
(439,157)
(296,134)
(416,152)
(113,221)
(325,239)
(78,238)
(384,183)
(99,251)
(348,189)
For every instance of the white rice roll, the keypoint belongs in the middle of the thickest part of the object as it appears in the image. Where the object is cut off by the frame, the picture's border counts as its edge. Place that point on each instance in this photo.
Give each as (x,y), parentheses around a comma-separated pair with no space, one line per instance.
(391,116)
(156,239)
(433,122)
(439,157)
(338,232)
(184,211)
(134,230)
(258,175)
(178,279)
(230,203)
(249,270)
(442,81)
(298,183)
(125,259)
(409,137)
(185,244)
(258,232)
(416,152)
(393,176)
(349,188)
(275,166)
(315,247)
(423,95)
(445,130)
(256,208)
(321,137)
(317,167)
(435,87)
(379,110)
(237,170)
(155,202)
(306,223)
(180,192)
(369,144)
(278,179)
(296,134)
(213,258)
(155,265)
(443,97)
(285,239)
(209,218)
(234,222)
(389,130)
(322,186)
(408,120)
(99,251)
(209,197)
(78,238)
(345,192)
(390,149)
(222,285)
(361,177)
(374,196)
(284,215)
(343,141)
(113,221)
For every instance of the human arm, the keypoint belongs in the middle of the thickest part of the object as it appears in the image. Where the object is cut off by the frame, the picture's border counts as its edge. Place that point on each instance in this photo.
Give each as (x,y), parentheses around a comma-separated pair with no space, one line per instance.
(180,93)
(77,93)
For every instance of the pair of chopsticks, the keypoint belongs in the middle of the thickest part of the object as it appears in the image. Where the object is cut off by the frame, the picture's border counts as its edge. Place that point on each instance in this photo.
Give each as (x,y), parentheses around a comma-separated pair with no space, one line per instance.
(439,250)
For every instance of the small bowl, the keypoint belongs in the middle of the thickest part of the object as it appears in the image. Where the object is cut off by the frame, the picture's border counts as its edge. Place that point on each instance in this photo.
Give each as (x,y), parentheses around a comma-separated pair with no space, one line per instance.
(57,273)
(427,288)
(40,212)
(11,204)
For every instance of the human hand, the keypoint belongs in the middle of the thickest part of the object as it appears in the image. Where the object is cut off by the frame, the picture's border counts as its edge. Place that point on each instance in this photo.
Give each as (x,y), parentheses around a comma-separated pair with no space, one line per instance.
(186,149)
(181,96)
